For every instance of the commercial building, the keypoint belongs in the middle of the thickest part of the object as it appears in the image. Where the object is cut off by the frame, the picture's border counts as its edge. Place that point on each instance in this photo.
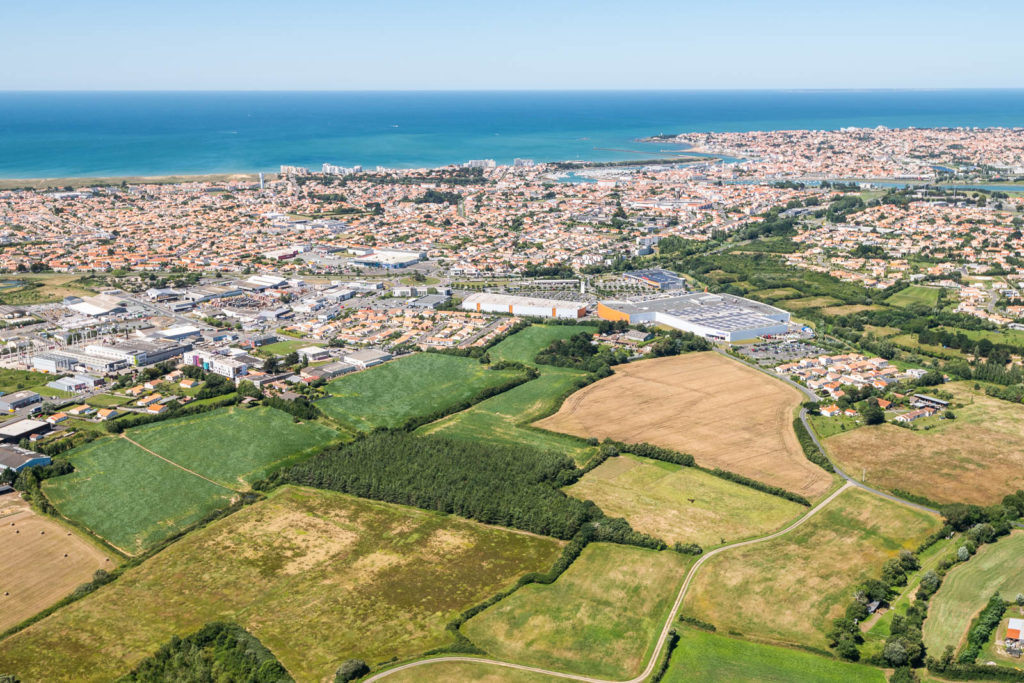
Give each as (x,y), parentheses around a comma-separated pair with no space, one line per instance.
(74,383)
(18,400)
(216,363)
(658,278)
(718,317)
(16,430)
(524,306)
(17,459)
(388,259)
(55,362)
(365,358)
(99,305)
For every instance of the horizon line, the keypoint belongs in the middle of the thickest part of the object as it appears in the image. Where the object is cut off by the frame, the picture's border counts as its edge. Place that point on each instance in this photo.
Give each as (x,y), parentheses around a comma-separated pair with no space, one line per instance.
(13,91)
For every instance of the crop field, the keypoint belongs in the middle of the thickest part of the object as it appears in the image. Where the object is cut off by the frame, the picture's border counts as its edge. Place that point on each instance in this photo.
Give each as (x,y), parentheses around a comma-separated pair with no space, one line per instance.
(390,394)
(789,589)
(914,294)
(710,657)
(505,418)
(40,561)
(968,586)
(681,504)
(123,491)
(524,345)
(318,577)
(232,446)
(724,413)
(976,458)
(601,617)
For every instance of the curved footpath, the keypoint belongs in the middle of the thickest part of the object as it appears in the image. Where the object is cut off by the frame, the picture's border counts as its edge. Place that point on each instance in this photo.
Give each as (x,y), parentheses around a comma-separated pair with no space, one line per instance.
(663,638)
(664,631)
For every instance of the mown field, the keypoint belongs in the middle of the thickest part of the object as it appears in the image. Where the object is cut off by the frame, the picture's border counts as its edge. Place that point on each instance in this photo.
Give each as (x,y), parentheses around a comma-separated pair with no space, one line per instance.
(914,294)
(134,499)
(601,617)
(724,413)
(710,658)
(682,504)
(390,394)
(40,561)
(318,577)
(789,589)
(976,458)
(968,587)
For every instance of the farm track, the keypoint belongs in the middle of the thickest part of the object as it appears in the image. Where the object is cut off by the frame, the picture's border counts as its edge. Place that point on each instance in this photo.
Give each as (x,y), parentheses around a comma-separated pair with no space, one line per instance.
(849,482)
(662,639)
(171,462)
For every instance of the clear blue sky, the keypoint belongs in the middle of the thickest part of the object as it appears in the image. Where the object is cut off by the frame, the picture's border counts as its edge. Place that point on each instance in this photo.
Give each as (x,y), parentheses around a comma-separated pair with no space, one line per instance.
(508,44)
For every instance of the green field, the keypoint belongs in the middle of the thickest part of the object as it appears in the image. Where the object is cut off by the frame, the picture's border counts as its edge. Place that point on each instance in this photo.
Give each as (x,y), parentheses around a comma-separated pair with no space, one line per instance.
(789,589)
(601,617)
(655,498)
(16,380)
(283,348)
(524,345)
(914,294)
(825,427)
(809,302)
(134,499)
(317,577)
(709,657)
(506,418)
(129,497)
(968,586)
(1014,337)
(232,446)
(108,400)
(467,672)
(422,384)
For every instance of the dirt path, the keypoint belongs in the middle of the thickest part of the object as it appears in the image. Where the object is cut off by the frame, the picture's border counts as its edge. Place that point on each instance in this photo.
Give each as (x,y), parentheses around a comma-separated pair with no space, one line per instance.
(132,441)
(669,623)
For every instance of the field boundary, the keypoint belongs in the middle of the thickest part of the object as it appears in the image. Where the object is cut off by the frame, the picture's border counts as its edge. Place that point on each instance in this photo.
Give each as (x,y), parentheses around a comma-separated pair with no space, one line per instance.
(669,622)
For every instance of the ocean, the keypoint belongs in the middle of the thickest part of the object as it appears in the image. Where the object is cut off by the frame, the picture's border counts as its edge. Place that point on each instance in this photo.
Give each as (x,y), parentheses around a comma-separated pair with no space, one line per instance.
(52,135)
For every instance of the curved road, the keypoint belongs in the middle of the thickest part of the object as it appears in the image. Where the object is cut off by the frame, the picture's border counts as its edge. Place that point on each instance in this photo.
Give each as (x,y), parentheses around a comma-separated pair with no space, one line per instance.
(670,621)
(664,631)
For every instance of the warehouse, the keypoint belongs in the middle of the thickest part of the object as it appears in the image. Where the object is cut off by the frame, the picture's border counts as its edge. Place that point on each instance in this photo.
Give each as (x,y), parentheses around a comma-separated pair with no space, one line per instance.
(365,358)
(17,459)
(19,399)
(658,278)
(524,306)
(16,430)
(718,317)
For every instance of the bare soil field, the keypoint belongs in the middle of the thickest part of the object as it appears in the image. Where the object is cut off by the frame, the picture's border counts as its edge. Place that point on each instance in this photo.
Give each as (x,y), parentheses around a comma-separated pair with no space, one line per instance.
(40,561)
(724,413)
(976,458)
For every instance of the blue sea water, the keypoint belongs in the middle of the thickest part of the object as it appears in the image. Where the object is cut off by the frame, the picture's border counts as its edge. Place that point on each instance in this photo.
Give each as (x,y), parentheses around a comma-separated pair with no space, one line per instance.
(112,134)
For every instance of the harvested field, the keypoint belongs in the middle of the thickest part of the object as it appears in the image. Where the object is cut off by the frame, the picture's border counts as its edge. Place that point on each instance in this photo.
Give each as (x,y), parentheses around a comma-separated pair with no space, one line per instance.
(682,504)
(318,577)
(724,413)
(40,561)
(976,458)
(601,617)
(788,590)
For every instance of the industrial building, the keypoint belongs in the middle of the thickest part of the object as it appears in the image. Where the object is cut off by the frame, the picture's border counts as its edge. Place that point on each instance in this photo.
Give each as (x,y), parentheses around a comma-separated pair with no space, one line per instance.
(18,400)
(55,362)
(16,430)
(658,278)
(524,306)
(17,459)
(718,317)
(365,358)
(216,363)
(140,352)
(388,259)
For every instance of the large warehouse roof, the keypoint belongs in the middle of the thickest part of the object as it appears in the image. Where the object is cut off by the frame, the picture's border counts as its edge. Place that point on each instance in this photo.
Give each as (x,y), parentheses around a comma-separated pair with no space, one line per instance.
(488,299)
(725,314)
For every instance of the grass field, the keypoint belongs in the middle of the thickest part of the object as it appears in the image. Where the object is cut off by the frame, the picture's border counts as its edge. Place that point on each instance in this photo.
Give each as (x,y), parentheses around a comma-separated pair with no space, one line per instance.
(505,418)
(40,561)
(232,446)
(283,348)
(524,345)
(789,589)
(601,617)
(968,586)
(655,498)
(976,458)
(108,400)
(43,288)
(389,394)
(914,294)
(909,341)
(1004,336)
(881,330)
(16,380)
(133,499)
(810,302)
(778,293)
(318,577)
(710,657)
(825,427)
(848,309)
(724,413)
(467,672)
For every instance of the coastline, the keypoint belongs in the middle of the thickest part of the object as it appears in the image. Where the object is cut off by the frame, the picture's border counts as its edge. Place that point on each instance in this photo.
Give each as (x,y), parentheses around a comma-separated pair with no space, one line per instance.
(88,181)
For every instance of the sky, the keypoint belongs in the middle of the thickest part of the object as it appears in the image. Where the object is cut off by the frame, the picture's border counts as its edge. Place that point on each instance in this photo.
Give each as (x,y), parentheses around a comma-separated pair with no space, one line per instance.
(509,44)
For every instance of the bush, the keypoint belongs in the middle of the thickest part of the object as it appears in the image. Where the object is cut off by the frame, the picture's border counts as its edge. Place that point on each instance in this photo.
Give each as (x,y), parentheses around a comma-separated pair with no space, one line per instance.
(350,670)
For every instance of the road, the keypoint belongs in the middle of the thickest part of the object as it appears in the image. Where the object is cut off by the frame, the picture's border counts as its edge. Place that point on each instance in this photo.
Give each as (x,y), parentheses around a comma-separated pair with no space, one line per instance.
(669,622)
